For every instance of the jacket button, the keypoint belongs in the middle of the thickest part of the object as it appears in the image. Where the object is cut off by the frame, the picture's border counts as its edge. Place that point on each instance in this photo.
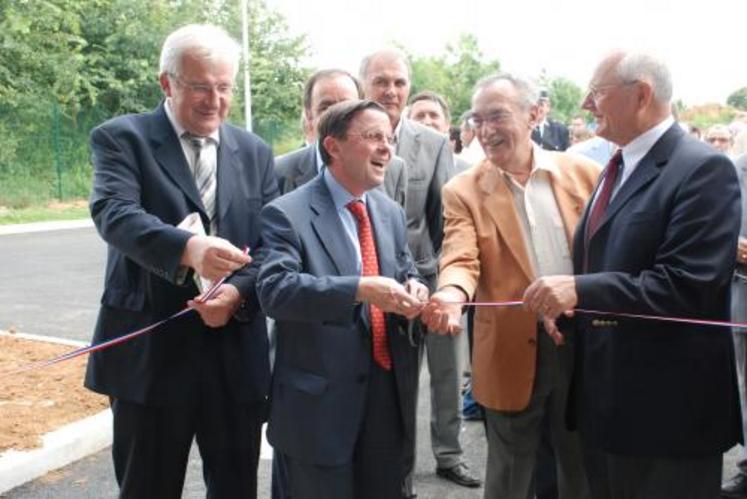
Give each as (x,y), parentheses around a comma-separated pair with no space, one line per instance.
(595,323)
(532,341)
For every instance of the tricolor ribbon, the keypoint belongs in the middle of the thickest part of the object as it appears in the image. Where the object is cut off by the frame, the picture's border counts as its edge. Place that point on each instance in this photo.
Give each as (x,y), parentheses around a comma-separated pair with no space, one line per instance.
(120,339)
(682,320)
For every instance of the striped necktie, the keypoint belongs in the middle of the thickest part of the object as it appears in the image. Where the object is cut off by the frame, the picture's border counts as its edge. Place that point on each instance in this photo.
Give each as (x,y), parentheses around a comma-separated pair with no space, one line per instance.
(204,171)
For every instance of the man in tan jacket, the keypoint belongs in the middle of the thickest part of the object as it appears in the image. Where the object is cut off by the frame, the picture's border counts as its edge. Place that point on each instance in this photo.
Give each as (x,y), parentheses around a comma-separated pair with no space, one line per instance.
(508,221)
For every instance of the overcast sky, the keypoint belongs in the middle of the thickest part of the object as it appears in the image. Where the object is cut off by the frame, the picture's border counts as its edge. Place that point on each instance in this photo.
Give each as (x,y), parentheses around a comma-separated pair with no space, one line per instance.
(704,42)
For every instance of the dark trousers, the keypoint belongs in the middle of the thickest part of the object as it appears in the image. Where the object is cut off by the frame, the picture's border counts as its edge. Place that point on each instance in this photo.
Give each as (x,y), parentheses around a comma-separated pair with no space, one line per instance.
(377,468)
(621,477)
(151,444)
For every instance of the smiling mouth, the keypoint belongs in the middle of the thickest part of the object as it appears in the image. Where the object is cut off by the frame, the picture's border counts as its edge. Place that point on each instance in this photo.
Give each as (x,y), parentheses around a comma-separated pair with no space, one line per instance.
(495,143)
(378,164)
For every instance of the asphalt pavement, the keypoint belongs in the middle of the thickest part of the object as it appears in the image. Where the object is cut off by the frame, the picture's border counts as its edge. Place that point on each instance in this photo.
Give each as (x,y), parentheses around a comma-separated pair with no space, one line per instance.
(51,284)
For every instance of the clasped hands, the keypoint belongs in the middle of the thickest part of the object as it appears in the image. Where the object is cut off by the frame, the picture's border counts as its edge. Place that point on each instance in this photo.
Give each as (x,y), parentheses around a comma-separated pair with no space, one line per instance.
(215,258)
(548,297)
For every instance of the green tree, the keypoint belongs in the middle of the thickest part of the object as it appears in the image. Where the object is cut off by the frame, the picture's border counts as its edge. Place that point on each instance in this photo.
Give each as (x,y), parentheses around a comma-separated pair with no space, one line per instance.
(566,98)
(454,73)
(738,99)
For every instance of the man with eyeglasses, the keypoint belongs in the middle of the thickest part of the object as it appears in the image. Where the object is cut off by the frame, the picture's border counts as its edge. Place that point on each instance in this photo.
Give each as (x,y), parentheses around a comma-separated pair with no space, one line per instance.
(720,137)
(205,375)
(340,283)
(508,220)
(655,400)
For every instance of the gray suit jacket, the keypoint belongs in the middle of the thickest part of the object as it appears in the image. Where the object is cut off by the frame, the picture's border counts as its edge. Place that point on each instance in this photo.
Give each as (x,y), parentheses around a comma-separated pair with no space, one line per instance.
(739,283)
(429,166)
(295,168)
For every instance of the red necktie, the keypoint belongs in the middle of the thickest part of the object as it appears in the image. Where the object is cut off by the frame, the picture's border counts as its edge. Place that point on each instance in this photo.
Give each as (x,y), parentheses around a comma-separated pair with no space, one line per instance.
(370,265)
(603,200)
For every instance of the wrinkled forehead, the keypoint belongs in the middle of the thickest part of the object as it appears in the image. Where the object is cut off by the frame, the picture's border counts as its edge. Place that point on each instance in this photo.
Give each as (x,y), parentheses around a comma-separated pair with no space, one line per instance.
(500,95)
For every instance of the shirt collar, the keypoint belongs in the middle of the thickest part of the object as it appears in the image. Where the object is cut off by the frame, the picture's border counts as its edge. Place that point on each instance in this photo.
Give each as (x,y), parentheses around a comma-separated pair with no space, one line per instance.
(340,196)
(541,161)
(637,148)
(179,129)
(319,161)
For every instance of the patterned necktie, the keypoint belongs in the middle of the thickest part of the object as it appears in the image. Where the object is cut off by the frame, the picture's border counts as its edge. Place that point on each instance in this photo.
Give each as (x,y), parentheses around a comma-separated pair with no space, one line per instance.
(611,171)
(204,175)
(370,265)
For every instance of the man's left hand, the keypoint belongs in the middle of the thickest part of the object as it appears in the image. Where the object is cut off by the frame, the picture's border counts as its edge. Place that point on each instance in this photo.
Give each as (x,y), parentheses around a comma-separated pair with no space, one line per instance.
(551,296)
(219,309)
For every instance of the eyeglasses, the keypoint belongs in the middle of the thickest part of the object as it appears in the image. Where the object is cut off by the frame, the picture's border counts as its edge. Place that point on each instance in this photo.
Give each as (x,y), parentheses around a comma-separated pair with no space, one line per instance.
(375,137)
(223,89)
(494,119)
(597,92)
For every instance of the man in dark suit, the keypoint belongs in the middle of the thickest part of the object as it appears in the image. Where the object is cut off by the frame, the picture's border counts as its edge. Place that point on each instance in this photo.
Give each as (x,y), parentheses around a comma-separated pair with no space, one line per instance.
(385,76)
(337,272)
(656,401)
(205,374)
(549,134)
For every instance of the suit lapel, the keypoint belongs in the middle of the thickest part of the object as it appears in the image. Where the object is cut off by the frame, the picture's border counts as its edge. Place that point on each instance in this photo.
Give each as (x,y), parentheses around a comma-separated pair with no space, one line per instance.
(330,231)
(409,144)
(306,166)
(228,172)
(169,153)
(646,171)
(498,202)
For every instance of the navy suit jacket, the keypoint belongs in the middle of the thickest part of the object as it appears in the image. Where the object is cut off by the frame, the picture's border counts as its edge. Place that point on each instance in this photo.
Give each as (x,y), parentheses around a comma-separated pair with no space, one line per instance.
(556,136)
(666,246)
(308,284)
(143,188)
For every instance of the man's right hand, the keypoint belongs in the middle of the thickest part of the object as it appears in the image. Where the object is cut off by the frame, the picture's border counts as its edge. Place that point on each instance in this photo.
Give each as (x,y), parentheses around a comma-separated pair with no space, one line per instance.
(443,314)
(213,257)
(389,295)
(742,251)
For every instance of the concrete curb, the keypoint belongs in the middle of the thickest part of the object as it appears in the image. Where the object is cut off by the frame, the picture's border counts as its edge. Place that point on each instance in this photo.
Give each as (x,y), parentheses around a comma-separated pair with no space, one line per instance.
(6,230)
(60,447)
(67,444)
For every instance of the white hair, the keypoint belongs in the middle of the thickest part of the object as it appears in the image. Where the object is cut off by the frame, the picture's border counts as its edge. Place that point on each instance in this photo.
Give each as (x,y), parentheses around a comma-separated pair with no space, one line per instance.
(637,66)
(528,94)
(203,41)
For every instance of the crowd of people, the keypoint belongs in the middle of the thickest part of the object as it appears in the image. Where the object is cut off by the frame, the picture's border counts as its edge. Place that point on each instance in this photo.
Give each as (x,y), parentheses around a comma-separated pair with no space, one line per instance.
(582,265)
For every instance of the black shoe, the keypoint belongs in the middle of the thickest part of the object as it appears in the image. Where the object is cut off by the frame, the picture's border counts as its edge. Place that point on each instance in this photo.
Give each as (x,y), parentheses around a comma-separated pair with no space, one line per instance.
(735,488)
(460,475)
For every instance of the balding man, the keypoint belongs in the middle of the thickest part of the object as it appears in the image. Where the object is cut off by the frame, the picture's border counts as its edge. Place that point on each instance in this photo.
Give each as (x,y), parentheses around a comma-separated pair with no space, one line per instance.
(385,76)
(656,401)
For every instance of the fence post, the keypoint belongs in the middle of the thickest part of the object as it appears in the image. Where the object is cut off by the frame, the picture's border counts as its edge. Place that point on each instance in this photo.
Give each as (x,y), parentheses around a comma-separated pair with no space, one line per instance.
(56,145)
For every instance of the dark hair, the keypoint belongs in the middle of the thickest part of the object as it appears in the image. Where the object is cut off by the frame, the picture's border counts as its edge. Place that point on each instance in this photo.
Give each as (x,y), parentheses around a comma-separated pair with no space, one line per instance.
(455,134)
(433,97)
(335,122)
(322,74)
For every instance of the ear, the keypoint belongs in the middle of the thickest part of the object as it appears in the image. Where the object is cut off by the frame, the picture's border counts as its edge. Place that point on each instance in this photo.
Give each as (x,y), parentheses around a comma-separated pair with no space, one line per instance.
(534,112)
(165,82)
(644,95)
(332,146)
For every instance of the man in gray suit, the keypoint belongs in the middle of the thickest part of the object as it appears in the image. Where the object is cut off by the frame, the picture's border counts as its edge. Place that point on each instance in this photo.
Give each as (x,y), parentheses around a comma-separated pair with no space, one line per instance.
(385,76)
(736,487)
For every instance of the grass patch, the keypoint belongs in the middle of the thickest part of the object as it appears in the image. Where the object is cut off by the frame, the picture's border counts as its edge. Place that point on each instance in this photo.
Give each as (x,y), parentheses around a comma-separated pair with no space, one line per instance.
(70,210)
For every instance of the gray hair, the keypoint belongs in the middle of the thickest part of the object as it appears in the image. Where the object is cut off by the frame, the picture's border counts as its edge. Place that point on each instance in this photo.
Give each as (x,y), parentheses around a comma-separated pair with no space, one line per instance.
(637,66)
(205,42)
(395,53)
(528,94)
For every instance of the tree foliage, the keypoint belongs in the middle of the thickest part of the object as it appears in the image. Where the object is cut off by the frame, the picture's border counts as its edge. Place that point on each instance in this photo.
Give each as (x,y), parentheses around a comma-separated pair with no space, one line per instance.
(738,99)
(454,73)
(566,98)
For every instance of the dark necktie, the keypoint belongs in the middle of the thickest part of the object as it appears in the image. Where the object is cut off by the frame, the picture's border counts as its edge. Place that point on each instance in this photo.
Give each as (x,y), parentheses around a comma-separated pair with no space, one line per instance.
(370,267)
(611,171)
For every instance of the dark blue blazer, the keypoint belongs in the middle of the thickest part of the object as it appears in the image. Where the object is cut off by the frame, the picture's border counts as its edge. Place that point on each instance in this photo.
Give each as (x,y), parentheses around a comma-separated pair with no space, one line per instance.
(666,246)
(143,188)
(556,136)
(308,284)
